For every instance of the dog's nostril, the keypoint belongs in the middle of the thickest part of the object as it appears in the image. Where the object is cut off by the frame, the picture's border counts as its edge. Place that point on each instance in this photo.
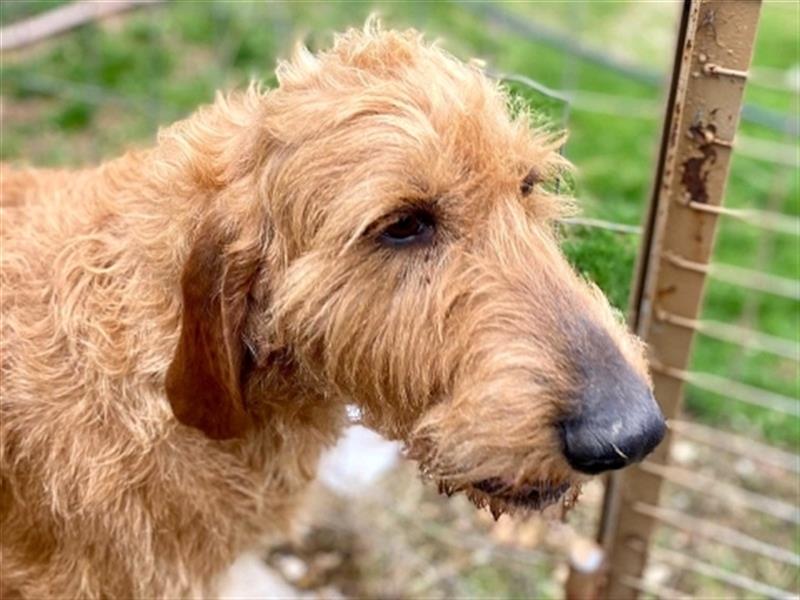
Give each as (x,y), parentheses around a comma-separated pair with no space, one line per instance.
(613,434)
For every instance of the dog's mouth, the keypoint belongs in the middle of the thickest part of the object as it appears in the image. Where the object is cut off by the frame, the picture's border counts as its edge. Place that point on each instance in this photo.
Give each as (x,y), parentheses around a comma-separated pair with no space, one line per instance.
(535,496)
(501,497)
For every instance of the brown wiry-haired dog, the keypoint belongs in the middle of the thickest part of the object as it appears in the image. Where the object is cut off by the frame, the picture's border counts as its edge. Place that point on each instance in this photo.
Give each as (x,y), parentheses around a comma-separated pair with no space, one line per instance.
(183,326)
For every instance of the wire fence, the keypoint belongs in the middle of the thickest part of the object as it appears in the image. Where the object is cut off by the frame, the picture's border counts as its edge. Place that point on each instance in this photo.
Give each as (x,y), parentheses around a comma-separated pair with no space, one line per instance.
(693,541)
(728,519)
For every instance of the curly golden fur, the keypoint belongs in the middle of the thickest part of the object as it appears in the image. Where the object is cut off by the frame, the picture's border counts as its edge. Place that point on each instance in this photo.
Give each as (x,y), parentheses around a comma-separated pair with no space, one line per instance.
(182,327)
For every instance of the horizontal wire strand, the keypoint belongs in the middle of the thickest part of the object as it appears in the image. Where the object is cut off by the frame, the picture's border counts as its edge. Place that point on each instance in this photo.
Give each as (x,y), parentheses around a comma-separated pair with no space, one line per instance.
(601,224)
(690,563)
(717,533)
(732,389)
(726,492)
(739,276)
(736,444)
(772,221)
(741,336)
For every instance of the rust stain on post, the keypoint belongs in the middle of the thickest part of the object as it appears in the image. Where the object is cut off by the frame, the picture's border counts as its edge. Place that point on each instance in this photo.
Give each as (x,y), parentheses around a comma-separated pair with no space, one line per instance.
(697,168)
(715,45)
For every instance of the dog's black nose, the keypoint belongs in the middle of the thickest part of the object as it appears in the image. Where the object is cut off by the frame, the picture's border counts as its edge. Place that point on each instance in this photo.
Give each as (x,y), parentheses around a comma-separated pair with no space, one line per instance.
(617,421)
(612,439)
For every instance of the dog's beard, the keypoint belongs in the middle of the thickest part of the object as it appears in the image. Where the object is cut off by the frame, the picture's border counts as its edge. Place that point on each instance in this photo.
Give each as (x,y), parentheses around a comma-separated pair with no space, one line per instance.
(499,495)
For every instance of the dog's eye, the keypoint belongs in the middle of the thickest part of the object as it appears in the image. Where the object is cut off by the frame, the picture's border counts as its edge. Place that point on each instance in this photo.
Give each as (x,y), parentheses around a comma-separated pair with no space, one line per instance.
(410,228)
(528,183)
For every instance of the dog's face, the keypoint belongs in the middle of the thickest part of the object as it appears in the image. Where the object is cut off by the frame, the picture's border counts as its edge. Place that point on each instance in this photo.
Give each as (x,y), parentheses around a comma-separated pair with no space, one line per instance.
(411,266)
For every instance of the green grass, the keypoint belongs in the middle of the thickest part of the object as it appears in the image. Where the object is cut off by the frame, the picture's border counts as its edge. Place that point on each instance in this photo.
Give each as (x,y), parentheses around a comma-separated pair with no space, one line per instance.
(90,93)
(606,258)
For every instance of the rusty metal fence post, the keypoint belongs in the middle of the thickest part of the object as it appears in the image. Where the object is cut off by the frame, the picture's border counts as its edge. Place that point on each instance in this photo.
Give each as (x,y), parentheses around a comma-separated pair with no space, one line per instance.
(713,55)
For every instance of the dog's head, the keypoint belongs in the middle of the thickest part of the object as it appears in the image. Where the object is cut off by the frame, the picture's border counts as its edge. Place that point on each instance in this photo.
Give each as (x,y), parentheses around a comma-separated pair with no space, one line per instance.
(384,235)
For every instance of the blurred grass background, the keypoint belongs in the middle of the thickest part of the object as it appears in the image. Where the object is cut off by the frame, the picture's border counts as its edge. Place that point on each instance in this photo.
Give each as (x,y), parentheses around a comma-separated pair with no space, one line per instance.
(107,86)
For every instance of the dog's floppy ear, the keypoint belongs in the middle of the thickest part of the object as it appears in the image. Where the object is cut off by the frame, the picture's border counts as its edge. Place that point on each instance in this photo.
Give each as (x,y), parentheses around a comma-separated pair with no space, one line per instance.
(204,381)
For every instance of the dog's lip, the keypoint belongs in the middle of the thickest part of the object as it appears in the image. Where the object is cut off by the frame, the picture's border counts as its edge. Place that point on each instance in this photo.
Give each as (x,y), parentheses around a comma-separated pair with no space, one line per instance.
(501,495)
(535,495)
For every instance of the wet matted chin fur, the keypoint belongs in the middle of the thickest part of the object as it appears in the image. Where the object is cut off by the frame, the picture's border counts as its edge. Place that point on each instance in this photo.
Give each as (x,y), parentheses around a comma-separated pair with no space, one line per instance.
(515,494)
